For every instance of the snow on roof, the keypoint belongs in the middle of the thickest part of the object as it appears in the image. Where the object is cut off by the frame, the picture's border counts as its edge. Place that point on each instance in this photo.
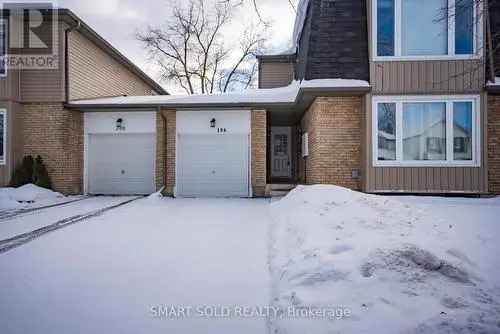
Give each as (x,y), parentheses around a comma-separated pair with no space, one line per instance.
(496,83)
(300,20)
(286,94)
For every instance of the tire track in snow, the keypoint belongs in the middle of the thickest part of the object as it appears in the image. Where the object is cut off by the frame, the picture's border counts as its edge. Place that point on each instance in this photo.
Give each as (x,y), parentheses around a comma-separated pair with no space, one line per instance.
(19,240)
(21,212)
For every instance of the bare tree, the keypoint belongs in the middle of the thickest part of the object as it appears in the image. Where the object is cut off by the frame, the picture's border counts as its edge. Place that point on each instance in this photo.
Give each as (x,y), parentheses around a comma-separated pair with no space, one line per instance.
(190,48)
(463,10)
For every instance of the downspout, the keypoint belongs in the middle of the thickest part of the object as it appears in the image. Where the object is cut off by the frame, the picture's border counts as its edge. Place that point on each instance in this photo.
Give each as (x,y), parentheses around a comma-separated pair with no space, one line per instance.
(66,57)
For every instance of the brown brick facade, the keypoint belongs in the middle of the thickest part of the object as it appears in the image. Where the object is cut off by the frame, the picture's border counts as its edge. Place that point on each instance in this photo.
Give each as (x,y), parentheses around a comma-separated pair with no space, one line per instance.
(56,134)
(259,150)
(494,143)
(170,117)
(334,128)
(161,142)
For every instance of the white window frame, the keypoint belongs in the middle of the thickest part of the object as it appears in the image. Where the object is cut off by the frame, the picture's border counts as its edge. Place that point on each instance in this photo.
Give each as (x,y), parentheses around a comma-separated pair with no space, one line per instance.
(3,160)
(5,32)
(449,100)
(477,35)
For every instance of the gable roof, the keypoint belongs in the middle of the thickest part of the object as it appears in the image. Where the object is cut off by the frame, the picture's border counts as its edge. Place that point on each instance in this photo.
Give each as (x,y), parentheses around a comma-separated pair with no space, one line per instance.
(70,18)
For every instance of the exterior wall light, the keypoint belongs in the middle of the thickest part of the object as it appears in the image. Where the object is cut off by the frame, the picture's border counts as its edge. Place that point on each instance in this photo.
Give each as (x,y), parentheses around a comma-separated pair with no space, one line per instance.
(213,123)
(119,125)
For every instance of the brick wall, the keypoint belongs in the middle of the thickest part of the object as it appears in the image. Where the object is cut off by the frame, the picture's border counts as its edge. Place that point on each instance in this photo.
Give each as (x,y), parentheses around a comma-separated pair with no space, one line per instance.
(160,151)
(170,138)
(494,143)
(334,128)
(56,134)
(259,139)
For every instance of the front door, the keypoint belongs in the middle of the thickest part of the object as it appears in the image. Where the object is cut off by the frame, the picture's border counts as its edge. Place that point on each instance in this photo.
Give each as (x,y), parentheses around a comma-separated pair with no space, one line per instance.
(281,147)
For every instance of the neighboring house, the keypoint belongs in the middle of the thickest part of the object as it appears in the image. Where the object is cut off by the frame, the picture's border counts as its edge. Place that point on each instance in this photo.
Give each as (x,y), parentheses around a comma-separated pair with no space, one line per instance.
(33,117)
(378,96)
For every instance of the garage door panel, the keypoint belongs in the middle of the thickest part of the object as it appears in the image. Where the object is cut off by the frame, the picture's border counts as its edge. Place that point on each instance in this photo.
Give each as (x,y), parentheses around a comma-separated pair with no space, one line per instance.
(213,165)
(121,164)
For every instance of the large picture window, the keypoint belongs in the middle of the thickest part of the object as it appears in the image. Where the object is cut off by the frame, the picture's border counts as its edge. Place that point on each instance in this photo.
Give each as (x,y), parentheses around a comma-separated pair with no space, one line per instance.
(3,136)
(426,131)
(425,28)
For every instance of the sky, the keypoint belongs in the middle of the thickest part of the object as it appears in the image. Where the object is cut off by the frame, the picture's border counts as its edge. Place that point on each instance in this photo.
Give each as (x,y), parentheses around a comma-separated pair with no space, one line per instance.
(119,20)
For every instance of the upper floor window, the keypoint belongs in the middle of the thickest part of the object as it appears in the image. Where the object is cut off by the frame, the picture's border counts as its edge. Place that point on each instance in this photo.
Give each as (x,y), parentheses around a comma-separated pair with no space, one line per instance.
(425,28)
(3,48)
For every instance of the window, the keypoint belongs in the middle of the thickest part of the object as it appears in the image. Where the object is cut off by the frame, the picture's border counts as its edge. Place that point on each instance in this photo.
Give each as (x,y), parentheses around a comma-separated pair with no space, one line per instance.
(462,130)
(3,136)
(385,29)
(426,131)
(425,33)
(3,48)
(425,28)
(386,131)
(281,144)
(464,27)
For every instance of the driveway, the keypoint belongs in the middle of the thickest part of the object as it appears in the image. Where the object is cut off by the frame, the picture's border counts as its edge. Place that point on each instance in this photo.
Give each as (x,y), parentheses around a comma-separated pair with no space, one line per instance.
(110,274)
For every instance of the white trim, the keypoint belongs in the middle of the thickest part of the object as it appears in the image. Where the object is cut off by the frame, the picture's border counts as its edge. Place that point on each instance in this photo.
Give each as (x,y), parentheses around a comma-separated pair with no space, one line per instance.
(398,21)
(451,29)
(3,112)
(449,100)
(477,36)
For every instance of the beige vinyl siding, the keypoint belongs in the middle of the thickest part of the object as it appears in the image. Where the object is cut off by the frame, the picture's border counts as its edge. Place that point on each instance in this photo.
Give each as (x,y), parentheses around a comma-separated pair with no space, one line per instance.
(14,141)
(275,74)
(425,179)
(9,86)
(46,85)
(427,77)
(94,73)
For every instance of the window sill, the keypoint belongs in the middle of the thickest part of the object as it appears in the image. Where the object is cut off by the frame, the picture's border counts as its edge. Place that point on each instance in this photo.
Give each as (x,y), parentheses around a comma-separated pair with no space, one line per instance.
(426,164)
(426,58)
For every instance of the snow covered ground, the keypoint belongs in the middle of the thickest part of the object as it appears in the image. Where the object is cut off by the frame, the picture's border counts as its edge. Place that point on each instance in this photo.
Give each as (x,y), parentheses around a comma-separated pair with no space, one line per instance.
(362,263)
(30,221)
(104,275)
(385,264)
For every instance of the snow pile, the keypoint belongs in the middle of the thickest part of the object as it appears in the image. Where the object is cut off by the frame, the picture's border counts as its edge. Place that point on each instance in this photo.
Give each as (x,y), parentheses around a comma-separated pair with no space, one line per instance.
(156,195)
(496,83)
(13,198)
(386,261)
(6,201)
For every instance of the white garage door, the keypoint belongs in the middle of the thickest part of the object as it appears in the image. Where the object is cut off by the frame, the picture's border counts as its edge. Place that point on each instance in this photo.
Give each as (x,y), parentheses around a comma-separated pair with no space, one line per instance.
(121,164)
(212,165)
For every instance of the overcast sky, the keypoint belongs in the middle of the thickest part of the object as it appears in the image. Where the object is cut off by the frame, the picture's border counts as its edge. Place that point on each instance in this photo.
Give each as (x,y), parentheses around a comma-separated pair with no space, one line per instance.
(118,20)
